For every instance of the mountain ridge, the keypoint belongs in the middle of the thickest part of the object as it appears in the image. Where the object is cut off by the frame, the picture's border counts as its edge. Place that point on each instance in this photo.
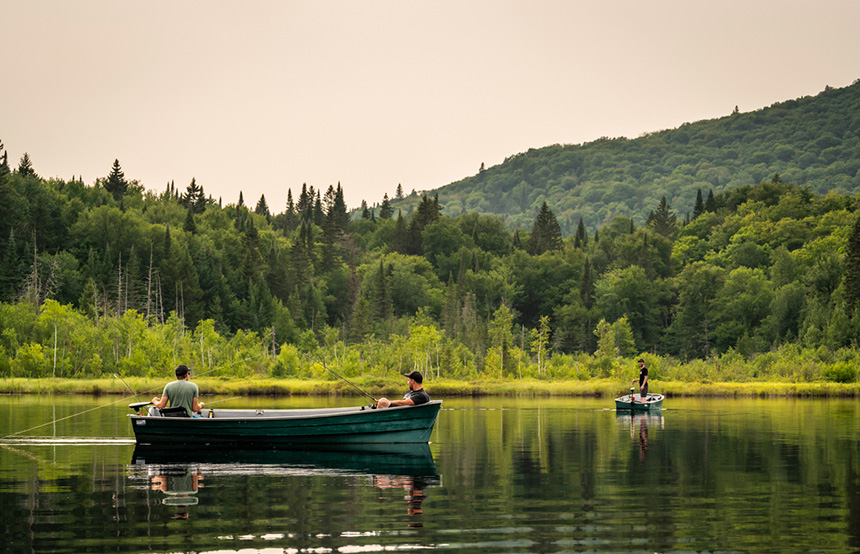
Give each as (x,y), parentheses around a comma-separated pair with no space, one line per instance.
(811,141)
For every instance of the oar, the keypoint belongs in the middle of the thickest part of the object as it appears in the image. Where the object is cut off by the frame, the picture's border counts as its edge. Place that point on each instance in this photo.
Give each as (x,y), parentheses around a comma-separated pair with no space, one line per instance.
(353,385)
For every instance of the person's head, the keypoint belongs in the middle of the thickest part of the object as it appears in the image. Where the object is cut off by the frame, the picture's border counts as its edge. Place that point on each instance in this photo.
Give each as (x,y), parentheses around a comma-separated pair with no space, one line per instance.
(641,362)
(414,376)
(182,371)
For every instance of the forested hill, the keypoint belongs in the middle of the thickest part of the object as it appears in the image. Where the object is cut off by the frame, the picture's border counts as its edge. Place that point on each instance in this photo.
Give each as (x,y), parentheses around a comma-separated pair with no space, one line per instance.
(812,142)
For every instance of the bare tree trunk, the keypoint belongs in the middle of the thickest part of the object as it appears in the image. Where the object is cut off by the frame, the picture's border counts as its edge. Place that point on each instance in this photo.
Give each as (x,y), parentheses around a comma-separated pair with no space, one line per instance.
(119,288)
(149,288)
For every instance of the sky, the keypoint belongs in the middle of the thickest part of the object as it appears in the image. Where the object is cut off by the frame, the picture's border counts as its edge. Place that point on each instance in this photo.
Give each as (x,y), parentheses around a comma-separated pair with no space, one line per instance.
(261,96)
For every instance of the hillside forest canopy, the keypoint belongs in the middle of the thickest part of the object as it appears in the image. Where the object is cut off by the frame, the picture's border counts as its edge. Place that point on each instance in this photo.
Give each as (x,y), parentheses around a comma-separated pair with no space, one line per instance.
(759,281)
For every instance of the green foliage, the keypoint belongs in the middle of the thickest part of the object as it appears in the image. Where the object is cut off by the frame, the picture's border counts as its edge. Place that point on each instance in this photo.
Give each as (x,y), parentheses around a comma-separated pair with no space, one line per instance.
(607,178)
(134,283)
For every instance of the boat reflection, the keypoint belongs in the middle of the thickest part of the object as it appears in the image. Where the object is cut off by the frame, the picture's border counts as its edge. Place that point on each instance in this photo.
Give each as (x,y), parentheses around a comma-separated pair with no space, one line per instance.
(178,474)
(179,483)
(642,420)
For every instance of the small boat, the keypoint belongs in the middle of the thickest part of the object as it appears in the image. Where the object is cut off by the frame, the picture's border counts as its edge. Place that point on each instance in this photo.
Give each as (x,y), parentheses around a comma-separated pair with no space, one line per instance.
(257,427)
(634,402)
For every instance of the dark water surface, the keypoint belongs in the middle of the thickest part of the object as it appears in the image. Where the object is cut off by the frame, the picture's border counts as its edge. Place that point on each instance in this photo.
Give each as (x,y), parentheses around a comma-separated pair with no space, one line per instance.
(500,475)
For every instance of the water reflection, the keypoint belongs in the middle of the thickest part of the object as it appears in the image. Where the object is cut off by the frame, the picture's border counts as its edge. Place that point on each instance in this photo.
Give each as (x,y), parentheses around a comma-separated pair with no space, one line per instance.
(640,422)
(179,483)
(179,474)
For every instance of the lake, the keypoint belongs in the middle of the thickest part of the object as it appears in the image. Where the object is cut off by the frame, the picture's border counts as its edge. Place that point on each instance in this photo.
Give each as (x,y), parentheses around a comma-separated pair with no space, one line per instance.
(500,475)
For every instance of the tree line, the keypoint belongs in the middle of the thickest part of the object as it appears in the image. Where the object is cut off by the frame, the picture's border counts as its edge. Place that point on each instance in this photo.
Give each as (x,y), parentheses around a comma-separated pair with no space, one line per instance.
(112,277)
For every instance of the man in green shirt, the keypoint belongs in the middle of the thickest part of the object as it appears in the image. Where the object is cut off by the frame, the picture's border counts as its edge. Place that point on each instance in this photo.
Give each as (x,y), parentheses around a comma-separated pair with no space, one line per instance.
(181,392)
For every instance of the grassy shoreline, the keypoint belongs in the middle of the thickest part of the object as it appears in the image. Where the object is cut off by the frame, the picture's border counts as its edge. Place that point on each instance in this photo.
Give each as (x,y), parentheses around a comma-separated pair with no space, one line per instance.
(146,388)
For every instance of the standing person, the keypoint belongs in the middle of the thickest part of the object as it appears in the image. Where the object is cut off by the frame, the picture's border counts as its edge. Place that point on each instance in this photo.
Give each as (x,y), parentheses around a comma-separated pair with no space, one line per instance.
(181,392)
(414,396)
(643,381)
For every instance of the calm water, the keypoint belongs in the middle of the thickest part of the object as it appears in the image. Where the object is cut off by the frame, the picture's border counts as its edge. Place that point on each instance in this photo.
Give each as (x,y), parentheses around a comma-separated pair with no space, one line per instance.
(500,475)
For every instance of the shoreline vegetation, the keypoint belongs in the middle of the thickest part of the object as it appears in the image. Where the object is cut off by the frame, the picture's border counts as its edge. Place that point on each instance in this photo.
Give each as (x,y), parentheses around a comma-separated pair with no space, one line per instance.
(440,388)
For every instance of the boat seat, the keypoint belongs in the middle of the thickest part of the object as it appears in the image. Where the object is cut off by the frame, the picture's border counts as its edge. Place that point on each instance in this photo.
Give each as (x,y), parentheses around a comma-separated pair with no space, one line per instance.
(174,411)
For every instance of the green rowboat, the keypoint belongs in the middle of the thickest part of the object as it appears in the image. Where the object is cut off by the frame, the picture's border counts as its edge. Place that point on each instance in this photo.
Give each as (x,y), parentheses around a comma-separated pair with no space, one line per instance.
(255,427)
(634,402)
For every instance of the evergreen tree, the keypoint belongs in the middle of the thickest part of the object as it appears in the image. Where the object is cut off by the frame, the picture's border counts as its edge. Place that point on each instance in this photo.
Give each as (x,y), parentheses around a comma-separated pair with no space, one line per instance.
(116,183)
(25,166)
(581,237)
(427,213)
(852,268)
(699,207)
(546,233)
(241,200)
(289,214)
(318,213)
(304,207)
(386,211)
(195,199)
(711,203)
(190,226)
(399,240)
(262,208)
(663,221)
(399,194)
(381,294)
(586,288)
(4,161)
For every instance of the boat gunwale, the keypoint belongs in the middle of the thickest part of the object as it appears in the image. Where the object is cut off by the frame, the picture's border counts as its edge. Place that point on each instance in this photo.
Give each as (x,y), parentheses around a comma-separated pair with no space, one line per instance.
(308,413)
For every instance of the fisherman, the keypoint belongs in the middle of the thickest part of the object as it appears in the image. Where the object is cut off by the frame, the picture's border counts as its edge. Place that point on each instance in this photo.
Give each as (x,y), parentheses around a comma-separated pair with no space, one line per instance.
(643,381)
(414,396)
(181,392)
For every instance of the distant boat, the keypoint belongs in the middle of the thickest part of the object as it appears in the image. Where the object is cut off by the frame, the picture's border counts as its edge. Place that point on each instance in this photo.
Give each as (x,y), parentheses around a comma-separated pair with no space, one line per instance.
(634,402)
(260,427)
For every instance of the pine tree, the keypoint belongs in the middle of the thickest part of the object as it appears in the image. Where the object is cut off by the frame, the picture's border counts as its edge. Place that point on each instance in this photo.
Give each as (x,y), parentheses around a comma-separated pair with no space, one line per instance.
(25,166)
(399,194)
(290,214)
(386,211)
(427,213)
(546,233)
(586,288)
(195,199)
(116,183)
(581,237)
(699,207)
(711,203)
(262,208)
(241,200)
(190,226)
(318,213)
(399,240)
(852,269)
(381,294)
(663,221)
(4,161)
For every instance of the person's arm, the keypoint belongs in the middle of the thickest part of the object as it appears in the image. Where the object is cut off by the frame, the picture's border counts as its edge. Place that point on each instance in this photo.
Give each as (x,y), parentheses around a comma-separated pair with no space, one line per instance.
(160,402)
(405,402)
(197,406)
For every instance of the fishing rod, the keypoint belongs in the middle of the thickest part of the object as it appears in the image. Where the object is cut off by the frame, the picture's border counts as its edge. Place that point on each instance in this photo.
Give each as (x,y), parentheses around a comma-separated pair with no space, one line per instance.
(353,385)
(128,387)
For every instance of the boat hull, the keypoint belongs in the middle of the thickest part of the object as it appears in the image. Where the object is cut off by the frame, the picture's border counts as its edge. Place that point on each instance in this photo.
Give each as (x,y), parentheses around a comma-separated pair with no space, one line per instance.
(328,426)
(634,403)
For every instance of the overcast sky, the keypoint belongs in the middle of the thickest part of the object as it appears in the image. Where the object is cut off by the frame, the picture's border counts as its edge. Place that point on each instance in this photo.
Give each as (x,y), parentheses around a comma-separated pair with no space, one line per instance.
(262,96)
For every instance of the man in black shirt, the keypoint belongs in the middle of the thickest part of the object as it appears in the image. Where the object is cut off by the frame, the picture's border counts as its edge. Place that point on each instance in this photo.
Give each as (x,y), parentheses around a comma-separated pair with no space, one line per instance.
(414,396)
(643,381)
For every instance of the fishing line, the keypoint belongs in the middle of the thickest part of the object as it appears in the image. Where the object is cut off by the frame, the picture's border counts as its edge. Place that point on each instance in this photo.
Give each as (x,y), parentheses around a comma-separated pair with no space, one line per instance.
(121,400)
(65,418)
(349,382)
